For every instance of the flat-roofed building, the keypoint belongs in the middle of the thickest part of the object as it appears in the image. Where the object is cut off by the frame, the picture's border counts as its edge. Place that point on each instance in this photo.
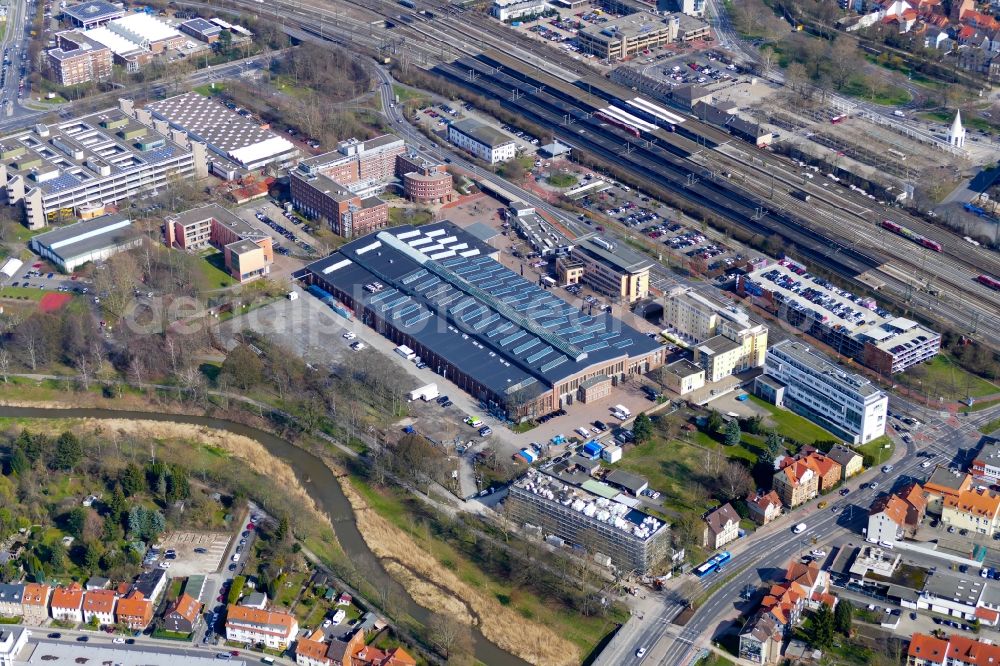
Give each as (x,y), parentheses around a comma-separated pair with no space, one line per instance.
(91,240)
(632,539)
(485,142)
(986,463)
(727,339)
(612,269)
(510,343)
(683,376)
(341,187)
(627,36)
(248,252)
(91,14)
(854,326)
(424,181)
(78,59)
(846,404)
(147,31)
(202,30)
(235,137)
(101,158)
(509,10)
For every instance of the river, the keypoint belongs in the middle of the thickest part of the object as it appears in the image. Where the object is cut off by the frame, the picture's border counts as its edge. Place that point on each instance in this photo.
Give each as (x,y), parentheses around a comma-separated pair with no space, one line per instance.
(318,481)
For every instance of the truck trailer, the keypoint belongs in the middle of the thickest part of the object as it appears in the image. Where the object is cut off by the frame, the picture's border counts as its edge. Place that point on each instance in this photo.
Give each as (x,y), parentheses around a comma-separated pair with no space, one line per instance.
(425,393)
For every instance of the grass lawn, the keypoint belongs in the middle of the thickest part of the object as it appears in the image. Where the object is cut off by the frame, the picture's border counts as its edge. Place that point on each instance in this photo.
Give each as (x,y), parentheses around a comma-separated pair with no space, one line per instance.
(715,660)
(791,425)
(562,180)
(942,377)
(990,427)
(289,87)
(970,122)
(209,91)
(22,294)
(876,450)
(884,95)
(585,632)
(413,216)
(213,272)
(406,94)
(290,587)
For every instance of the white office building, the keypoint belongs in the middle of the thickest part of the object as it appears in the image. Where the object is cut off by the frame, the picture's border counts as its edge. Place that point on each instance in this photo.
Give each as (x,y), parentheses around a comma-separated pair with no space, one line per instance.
(509,10)
(844,403)
(488,144)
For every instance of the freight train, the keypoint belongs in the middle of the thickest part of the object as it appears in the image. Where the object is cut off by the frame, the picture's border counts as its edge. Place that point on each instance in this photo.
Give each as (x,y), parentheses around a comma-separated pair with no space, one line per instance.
(911,235)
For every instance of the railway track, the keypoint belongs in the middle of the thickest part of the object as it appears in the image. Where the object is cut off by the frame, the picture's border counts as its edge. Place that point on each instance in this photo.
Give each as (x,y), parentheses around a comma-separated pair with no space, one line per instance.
(668,165)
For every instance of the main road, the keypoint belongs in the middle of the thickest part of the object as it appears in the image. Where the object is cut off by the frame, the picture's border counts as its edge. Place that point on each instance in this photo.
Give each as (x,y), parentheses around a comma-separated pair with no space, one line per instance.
(763,557)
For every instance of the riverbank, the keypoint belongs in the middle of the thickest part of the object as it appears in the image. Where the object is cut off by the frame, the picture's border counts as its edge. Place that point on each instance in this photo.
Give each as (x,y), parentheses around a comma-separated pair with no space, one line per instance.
(441,590)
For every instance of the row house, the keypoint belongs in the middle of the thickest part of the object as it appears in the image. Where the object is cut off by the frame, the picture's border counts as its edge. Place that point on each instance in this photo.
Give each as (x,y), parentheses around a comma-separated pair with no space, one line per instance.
(67,603)
(134,611)
(895,516)
(35,603)
(182,615)
(11,596)
(253,626)
(801,477)
(805,586)
(954,650)
(976,510)
(321,650)
(100,604)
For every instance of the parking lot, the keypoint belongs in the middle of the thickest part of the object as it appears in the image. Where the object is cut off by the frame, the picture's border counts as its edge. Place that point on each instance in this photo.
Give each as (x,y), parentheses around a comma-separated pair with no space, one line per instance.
(286,229)
(195,552)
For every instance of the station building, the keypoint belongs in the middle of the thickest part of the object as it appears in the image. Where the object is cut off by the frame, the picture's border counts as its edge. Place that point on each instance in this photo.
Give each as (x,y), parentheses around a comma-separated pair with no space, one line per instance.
(516,347)
(484,142)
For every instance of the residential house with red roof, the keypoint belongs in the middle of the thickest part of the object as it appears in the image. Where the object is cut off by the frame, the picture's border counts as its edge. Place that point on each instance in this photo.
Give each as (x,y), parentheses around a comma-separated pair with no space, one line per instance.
(254,626)
(67,603)
(35,603)
(100,604)
(135,611)
(182,615)
(795,482)
(763,508)
(954,650)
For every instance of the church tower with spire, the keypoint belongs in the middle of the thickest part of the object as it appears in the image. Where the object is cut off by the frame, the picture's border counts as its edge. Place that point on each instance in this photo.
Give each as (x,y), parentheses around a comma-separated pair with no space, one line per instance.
(956,135)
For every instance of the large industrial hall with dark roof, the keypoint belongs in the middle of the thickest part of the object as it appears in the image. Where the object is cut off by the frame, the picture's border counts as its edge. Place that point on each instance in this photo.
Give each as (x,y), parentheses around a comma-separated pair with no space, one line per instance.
(515,346)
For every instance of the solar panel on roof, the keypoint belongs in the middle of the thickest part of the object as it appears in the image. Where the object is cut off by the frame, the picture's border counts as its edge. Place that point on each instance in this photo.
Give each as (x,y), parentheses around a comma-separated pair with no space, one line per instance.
(413,307)
(475,313)
(483,323)
(517,335)
(450,298)
(553,364)
(414,276)
(462,304)
(427,284)
(539,355)
(394,303)
(520,349)
(601,344)
(625,342)
(502,328)
(426,314)
(383,295)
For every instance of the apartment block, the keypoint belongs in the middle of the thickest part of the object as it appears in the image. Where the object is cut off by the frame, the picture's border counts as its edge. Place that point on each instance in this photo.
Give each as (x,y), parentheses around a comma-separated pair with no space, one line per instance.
(78,59)
(632,539)
(726,339)
(100,158)
(796,483)
(248,252)
(252,626)
(612,269)
(846,404)
(974,509)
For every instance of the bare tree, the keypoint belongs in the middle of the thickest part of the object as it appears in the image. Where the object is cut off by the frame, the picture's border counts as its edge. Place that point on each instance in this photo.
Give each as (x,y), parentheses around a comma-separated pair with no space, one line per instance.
(4,364)
(735,480)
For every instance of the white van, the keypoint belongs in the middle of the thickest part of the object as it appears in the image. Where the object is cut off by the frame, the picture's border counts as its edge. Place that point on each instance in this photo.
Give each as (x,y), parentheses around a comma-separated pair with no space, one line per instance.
(623,409)
(799,529)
